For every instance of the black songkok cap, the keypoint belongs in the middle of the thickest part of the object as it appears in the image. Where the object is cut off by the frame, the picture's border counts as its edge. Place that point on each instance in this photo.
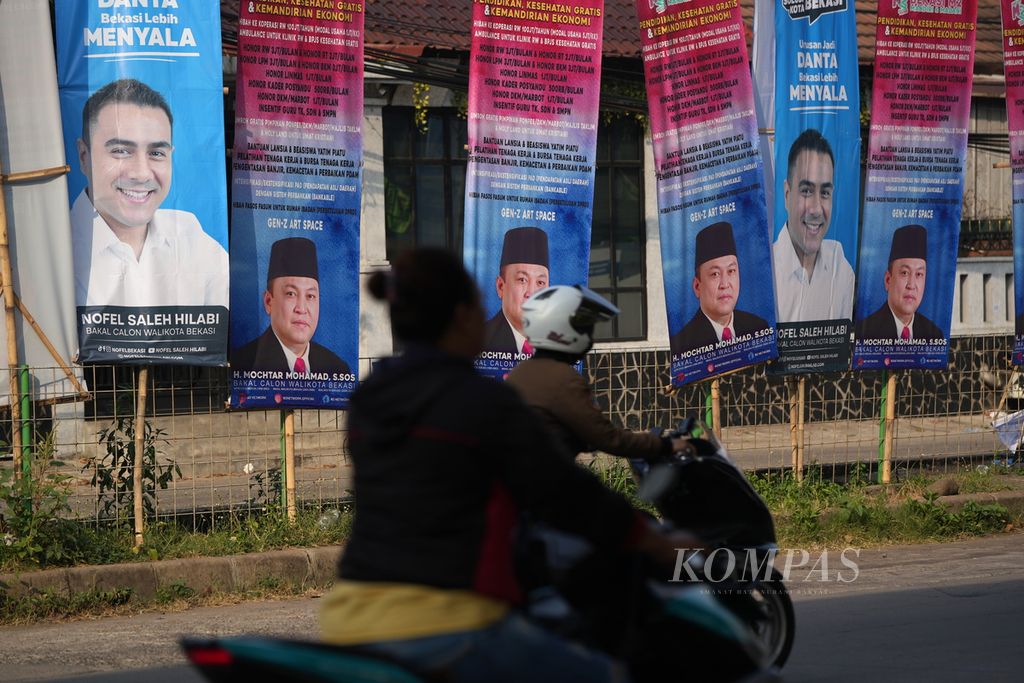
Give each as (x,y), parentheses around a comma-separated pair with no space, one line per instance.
(292,257)
(525,245)
(714,241)
(910,241)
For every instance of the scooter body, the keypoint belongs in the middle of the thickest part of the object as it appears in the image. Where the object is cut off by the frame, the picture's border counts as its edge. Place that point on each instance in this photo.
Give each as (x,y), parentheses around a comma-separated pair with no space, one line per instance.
(706,493)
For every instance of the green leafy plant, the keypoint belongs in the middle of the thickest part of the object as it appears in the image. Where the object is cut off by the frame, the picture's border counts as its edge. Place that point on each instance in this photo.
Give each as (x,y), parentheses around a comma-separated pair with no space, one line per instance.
(174,591)
(112,472)
(264,487)
(33,526)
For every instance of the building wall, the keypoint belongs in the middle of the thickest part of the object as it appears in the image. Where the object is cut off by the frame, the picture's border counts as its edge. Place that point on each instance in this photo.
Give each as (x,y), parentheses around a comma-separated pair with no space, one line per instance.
(987,189)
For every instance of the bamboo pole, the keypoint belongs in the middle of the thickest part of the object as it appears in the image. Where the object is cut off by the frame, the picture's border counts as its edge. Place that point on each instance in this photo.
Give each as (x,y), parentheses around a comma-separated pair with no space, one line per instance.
(886,428)
(35,175)
(716,408)
(7,282)
(890,424)
(140,444)
(83,393)
(288,436)
(801,440)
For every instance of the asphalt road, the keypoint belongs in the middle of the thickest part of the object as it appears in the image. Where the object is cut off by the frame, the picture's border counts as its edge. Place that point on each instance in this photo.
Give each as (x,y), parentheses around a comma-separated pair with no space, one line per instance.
(917,613)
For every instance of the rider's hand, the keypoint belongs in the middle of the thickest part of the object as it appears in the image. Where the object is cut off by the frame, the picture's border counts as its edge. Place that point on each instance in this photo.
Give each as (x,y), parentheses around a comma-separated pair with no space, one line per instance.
(683,446)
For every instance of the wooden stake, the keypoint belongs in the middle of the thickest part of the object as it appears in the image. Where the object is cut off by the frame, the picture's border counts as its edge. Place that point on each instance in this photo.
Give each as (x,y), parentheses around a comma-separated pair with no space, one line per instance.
(716,408)
(801,441)
(890,424)
(794,418)
(289,463)
(140,444)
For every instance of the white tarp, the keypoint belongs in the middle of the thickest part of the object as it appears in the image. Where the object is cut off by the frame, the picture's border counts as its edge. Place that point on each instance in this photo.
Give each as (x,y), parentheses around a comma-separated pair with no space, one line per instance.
(37,211)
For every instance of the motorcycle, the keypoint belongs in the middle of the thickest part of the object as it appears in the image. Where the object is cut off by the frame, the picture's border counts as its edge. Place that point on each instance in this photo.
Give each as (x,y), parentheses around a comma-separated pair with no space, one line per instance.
(703,491)
(734,636)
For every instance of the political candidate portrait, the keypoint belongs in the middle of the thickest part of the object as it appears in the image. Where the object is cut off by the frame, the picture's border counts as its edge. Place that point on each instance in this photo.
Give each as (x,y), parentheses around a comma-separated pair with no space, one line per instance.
(523,270)
(716,284)
(813,279)
(904,283)
(127,250)
(292,300)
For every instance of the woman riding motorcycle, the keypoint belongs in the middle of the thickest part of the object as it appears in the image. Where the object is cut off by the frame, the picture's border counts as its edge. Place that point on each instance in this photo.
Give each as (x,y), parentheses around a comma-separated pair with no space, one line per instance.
(559,322)
(444,462)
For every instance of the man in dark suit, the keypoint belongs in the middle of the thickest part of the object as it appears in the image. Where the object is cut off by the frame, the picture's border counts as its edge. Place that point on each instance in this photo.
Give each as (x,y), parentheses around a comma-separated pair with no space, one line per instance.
(523,270)
(716,284)
(904,282)
(292,299)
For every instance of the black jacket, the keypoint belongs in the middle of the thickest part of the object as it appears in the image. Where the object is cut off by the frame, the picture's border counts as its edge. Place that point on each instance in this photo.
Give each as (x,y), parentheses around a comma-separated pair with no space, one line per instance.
(699,332)
(881,325)
(444,461)
(265,353)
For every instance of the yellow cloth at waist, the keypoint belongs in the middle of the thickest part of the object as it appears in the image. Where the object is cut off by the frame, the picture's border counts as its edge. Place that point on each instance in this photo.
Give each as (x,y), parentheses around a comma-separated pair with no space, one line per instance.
(359,612)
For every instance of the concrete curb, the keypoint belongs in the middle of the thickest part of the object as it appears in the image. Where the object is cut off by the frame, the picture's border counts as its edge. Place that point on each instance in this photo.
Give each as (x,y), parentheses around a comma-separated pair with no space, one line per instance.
(298,567)
(1013,501)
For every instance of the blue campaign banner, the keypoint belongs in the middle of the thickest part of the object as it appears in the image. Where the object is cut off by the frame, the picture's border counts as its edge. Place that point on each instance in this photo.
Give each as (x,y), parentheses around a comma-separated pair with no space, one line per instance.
(141,96)
(913,192)
(296,188)
(817,183)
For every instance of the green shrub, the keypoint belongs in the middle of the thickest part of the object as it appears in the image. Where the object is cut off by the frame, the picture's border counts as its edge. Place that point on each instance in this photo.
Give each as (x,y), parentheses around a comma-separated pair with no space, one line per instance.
(33,526)
(112,473)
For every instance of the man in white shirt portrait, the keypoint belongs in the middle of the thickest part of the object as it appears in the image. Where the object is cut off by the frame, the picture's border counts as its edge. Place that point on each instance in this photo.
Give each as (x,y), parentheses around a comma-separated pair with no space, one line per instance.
(292,300)
(813,279)
(127,250)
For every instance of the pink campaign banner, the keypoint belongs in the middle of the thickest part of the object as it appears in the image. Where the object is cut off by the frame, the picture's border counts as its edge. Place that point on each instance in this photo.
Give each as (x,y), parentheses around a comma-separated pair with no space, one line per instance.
(1013,64)
(715,246)
(534,89)
(913,189)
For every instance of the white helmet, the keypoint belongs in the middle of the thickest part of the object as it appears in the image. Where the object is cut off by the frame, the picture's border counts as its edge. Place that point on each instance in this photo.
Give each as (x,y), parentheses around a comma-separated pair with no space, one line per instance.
(562,318)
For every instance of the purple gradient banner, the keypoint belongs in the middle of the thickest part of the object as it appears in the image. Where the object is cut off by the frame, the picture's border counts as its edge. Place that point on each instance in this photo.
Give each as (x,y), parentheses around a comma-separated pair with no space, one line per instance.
(715,241)
(534,89)
(296,187)
(920,110)
(1013,64)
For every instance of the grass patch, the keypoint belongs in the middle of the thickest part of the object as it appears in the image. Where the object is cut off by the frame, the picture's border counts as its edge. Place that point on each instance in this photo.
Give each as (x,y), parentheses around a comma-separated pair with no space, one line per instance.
(231,534)
(822,513)
(50,606)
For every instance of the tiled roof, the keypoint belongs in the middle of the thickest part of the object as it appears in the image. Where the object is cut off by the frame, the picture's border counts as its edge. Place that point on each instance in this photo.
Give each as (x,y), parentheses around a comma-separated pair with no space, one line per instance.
(409,26)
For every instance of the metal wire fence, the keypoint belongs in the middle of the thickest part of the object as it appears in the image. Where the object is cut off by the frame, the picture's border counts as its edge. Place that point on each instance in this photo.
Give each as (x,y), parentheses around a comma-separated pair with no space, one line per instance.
(231,461)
